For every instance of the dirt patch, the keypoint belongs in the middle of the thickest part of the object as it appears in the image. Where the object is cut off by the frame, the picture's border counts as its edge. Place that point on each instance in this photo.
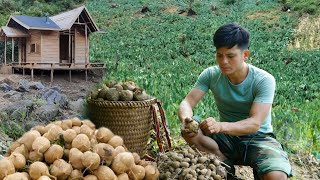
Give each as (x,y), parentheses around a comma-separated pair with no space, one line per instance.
(268,17)
(171,9)
(71,88)
(307,34)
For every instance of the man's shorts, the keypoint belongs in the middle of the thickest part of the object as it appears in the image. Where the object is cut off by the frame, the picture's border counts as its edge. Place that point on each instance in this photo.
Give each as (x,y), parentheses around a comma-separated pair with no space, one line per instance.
(260,151)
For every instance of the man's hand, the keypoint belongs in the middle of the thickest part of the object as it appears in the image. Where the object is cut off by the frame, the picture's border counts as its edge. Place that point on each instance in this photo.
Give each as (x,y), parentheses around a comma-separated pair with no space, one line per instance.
(185,130)
(210,125)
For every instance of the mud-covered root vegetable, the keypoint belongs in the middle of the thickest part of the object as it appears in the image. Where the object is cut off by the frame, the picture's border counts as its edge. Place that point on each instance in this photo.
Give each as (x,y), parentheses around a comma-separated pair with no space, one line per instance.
(129,85)
(125,95)
(140,95)
(192,126)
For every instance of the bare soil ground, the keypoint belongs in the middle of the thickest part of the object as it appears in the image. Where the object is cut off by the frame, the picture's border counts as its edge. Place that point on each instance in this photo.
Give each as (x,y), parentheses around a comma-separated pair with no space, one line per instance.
(305,166)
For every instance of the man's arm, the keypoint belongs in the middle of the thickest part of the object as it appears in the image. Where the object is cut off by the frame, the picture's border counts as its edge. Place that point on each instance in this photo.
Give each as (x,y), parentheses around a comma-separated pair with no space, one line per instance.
(258,113)
(189,102)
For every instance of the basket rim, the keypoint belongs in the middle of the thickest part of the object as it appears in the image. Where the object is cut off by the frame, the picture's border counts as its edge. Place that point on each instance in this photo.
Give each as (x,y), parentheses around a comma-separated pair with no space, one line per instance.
(107,103)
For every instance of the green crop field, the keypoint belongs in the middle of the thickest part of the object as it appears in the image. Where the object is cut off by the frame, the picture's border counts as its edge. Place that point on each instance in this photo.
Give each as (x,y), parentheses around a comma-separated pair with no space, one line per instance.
(164,50)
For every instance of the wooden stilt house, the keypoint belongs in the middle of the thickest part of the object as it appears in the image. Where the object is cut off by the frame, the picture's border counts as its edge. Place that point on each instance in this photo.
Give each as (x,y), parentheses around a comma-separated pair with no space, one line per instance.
(58,42)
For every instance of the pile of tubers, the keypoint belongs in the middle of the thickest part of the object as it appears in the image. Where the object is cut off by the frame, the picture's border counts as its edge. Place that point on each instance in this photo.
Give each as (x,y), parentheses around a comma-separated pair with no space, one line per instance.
(189,164)
(111,90)
(73,149)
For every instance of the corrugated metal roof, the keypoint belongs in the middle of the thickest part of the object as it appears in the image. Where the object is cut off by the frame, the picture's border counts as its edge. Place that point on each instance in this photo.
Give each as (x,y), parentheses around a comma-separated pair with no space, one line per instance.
(13,32)
(66,20)
(30,22)
(60,22)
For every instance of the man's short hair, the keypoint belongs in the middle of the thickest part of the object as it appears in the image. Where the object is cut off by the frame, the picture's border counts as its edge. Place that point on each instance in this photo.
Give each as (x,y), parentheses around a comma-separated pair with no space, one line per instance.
(230,35)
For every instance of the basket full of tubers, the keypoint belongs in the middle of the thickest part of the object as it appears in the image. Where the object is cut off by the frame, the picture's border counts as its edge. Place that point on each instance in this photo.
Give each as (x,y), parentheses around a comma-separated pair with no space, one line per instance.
(126,109)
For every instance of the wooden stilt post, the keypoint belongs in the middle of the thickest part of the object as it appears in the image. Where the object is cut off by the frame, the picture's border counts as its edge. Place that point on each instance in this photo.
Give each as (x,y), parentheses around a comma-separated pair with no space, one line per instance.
(70,75)
(12,52)
(86,48)
(69,49)
(23,71)
(32,74)
(5,50)
(51,75)
(86,71)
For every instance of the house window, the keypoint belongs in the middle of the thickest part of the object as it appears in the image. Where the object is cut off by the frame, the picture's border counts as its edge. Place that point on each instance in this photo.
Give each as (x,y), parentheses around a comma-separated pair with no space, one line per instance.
(33,48)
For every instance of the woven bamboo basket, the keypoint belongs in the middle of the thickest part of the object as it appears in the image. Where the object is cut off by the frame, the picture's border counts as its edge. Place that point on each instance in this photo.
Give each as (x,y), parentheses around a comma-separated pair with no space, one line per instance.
(132,120)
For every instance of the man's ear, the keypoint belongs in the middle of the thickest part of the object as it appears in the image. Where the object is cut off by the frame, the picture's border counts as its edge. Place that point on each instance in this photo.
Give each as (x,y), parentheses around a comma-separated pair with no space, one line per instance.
(246,54)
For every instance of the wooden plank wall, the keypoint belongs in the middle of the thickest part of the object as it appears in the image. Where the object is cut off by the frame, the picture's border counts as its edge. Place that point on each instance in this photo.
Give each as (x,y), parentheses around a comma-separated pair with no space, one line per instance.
(50,46)
(80,46)
(35,38)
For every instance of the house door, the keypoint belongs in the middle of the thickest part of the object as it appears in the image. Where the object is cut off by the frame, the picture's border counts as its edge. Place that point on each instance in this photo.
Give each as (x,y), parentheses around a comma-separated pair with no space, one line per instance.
(66,48)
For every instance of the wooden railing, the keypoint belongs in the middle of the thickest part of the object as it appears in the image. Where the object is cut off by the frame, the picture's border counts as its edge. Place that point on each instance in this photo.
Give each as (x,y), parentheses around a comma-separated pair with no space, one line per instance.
(60,65)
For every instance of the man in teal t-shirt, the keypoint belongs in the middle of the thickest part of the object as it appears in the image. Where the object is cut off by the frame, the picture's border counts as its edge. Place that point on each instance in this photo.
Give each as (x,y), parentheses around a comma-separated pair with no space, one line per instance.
(243,95)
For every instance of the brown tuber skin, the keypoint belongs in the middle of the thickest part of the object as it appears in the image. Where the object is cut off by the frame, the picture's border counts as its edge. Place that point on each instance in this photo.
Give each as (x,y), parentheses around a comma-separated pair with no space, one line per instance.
(18,160)
(125,95)
(6,168)
(104,135)
(60,169)
(192,126)
(90,160)
(116,141)
(81,142)
(16,176)
(105,173)
(38,169)
(122,162)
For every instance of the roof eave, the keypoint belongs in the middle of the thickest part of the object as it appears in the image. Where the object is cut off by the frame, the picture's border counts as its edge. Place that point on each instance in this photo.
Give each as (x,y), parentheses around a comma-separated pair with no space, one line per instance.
(91,19)
(38,28)
(19,22)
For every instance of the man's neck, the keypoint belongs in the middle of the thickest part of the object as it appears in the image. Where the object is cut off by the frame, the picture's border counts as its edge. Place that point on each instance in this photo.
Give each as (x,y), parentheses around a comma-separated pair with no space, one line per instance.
(239,76)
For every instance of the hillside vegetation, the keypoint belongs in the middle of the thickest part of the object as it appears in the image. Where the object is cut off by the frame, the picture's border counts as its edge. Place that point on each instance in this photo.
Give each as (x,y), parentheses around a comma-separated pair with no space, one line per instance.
(163,48)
